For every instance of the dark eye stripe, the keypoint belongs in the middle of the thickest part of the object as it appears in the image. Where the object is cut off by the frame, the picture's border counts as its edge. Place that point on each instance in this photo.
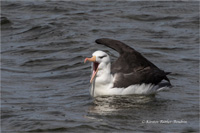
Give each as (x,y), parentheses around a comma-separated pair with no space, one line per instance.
(102,56)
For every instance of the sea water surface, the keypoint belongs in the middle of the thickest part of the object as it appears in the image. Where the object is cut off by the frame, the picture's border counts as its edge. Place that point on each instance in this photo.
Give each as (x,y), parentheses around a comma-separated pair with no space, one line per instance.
(45,84)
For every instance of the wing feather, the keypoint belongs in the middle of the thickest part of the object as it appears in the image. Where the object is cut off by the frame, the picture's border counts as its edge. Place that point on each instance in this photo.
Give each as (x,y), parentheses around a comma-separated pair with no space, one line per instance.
(131,67)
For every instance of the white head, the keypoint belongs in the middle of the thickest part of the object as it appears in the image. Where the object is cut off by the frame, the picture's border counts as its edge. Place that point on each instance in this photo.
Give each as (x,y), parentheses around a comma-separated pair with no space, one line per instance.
(101,57)
(100,61)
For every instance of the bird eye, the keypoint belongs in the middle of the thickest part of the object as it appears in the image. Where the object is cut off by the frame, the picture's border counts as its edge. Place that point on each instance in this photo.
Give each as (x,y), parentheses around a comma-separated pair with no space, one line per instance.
(101,57)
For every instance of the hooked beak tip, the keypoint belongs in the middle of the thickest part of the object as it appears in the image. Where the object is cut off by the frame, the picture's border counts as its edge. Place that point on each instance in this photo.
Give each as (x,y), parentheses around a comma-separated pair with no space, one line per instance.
(92,59)
(85,60)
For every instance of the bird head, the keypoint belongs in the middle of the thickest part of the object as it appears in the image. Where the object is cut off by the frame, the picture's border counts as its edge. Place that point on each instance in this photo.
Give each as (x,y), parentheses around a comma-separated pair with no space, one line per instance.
(99,59)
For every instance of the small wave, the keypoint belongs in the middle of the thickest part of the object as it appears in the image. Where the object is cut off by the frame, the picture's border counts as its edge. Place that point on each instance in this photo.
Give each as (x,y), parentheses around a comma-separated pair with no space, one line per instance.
(147,17)
(62,129)
(190,60)
(72,74)
(175,74)
(76,49)
(190,130)
(14,70)
(169,48)
(37,29)
(65,67)
(7,116)
(59,44)
(32,51)
(192,24)
(97,10)
(5,20)
(40,62)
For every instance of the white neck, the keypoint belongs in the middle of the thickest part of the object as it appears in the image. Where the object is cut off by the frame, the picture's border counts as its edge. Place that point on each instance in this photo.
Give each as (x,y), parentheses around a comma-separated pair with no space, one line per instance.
(103,79)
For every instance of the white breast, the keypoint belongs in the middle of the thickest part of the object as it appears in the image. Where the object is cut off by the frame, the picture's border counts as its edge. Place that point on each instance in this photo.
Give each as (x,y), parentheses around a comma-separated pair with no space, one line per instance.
(143,89)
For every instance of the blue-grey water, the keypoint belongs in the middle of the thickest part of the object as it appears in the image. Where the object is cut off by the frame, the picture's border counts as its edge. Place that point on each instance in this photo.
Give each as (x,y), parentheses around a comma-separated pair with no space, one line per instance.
(45,84)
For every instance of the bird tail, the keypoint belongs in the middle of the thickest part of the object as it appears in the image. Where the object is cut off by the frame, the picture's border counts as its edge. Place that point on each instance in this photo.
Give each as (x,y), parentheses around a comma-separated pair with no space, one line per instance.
(163,86)
(166,73)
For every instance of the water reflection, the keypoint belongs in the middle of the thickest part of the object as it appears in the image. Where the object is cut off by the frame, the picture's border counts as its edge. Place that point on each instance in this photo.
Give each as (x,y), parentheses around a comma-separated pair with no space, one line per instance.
(111,104)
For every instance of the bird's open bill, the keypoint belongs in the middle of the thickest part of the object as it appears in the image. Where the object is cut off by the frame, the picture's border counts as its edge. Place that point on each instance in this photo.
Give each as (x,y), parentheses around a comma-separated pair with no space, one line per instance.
(95,66)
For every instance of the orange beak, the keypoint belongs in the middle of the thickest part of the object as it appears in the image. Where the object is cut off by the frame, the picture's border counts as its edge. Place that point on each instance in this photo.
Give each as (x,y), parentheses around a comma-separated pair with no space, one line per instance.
(95,66)
(92,59)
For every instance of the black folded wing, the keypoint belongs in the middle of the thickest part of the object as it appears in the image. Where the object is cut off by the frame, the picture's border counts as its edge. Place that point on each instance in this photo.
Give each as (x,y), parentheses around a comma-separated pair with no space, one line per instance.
(131,67)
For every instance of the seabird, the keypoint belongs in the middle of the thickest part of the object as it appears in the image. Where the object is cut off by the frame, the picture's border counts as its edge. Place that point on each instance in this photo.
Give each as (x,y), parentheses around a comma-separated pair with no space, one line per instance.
(130,74)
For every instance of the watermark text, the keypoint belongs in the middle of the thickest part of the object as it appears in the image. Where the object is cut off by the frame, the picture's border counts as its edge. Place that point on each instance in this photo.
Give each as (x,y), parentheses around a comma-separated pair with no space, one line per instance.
(164,121)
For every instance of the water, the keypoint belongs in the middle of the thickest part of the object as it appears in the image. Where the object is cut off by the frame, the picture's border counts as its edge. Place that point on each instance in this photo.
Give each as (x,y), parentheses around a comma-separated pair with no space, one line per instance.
(44,82)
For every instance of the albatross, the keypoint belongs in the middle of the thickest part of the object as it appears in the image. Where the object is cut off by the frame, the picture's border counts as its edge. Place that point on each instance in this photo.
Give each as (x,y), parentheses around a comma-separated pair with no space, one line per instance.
(130,74)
